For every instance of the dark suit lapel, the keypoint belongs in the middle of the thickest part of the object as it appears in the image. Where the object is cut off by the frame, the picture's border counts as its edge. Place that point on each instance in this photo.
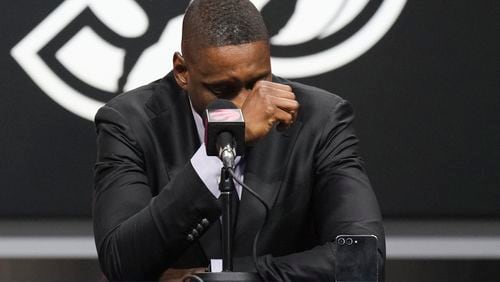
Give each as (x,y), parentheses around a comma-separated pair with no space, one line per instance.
(265,167)
(173,123)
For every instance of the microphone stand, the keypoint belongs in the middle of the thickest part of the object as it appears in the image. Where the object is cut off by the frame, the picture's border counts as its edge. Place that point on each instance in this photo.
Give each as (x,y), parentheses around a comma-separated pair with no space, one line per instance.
(226,187)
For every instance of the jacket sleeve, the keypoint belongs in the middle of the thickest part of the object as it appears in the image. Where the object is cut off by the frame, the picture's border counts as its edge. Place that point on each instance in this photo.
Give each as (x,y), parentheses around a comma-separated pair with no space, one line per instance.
(138,235)
(343,202)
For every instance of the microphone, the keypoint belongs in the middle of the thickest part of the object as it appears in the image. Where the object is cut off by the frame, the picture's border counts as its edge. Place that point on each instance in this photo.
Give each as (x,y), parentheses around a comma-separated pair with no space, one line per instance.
(224,131)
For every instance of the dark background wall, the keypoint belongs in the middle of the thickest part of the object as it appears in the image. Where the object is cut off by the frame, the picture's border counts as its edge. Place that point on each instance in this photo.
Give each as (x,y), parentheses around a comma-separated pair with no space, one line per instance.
(426,97)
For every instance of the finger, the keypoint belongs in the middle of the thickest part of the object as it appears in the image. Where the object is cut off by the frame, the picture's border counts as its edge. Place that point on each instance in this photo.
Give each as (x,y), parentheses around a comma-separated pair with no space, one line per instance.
(273,85)
(294,116)
(285,121)
(288,105)
(275,92)
(283,117)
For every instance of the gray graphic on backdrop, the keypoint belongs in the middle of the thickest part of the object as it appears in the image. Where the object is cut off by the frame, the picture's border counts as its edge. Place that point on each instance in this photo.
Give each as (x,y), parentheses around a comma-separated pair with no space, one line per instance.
(86,51)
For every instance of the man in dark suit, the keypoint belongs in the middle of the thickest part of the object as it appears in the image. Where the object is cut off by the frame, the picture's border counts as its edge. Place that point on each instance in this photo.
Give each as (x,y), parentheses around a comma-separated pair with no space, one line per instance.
(155,205)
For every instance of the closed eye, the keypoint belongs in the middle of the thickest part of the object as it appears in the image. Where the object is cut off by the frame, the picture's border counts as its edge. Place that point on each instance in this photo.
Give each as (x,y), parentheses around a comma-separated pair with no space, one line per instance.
(223,90)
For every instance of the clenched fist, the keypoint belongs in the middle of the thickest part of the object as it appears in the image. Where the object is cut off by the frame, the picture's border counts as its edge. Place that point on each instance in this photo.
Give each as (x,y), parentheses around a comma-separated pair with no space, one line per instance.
(267,104)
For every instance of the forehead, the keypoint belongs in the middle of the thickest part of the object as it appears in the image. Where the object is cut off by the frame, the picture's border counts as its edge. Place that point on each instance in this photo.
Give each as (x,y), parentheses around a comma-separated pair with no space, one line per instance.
(232,61)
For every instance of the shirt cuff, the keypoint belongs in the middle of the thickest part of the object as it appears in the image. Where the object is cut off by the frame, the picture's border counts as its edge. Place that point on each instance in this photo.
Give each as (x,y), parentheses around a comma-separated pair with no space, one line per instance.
(208,169)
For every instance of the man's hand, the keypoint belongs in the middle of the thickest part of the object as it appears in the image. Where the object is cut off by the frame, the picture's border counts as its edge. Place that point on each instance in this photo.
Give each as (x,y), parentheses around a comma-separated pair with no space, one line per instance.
(178,274)
(267,104)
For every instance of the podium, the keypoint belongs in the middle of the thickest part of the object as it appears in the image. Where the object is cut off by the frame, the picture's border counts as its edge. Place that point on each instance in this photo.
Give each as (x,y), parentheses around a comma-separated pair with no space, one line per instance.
(227,276)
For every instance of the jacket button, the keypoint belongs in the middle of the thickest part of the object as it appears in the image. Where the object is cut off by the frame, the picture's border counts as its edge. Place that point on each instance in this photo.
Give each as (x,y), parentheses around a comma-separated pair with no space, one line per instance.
(199,227)
(190,237)
(205,222)
(195,233)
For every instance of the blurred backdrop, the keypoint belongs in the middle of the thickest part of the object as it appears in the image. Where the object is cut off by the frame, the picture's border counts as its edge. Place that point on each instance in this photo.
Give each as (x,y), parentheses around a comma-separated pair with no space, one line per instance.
(423,77)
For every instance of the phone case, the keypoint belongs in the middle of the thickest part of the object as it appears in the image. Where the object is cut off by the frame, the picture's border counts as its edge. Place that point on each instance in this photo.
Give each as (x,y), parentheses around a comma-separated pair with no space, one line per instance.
(356,258)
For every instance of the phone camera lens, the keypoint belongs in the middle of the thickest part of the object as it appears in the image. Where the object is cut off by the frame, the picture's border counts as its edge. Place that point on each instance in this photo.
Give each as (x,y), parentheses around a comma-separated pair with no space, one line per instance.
(341,241)
(349,241)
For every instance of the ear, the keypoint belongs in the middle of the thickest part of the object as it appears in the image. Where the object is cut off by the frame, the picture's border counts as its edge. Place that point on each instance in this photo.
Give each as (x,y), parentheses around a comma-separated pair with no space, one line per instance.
(180,70)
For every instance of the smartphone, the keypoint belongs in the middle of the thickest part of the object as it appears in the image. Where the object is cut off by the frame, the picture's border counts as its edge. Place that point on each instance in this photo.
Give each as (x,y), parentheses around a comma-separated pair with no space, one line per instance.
(356,258)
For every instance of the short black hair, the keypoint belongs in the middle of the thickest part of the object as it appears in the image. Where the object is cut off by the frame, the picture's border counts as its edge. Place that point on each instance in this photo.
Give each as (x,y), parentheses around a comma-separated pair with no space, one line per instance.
(214,23)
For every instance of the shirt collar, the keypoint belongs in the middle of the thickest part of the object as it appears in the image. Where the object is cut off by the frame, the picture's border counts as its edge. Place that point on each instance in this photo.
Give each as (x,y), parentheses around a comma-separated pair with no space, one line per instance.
(200,127)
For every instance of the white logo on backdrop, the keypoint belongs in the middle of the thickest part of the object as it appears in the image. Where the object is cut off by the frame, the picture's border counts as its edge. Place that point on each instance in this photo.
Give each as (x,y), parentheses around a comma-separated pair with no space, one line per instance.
(69,58)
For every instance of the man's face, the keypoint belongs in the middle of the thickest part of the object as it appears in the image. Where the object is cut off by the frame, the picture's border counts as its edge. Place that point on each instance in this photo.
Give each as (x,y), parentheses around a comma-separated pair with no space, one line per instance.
(226,72)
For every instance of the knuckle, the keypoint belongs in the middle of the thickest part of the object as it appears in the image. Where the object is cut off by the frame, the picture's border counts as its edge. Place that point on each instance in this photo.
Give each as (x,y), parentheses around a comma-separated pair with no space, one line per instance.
(257,85)
(269,109)
(261,84)
(262,91)
(269,100)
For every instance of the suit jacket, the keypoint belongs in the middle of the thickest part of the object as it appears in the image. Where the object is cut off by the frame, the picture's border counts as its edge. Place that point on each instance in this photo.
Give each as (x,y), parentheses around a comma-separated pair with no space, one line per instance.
(148,198)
